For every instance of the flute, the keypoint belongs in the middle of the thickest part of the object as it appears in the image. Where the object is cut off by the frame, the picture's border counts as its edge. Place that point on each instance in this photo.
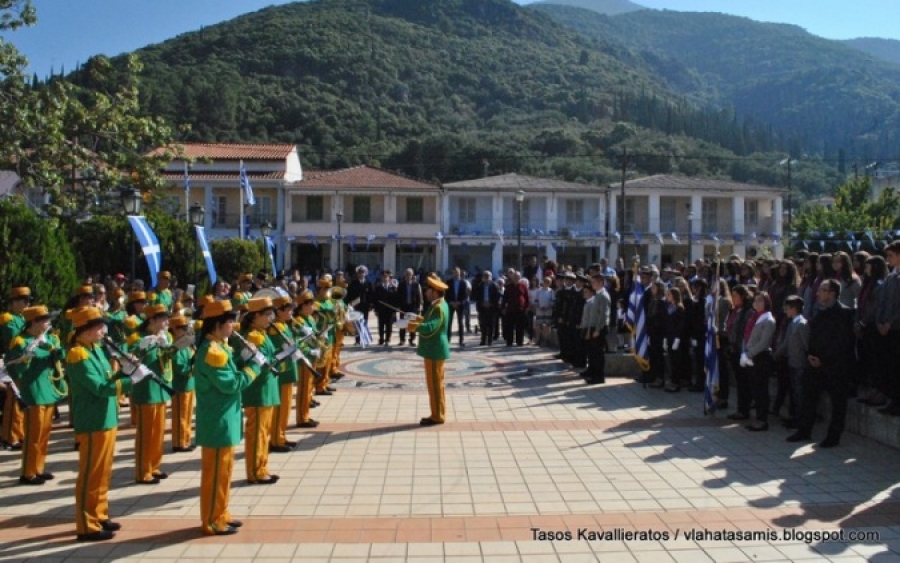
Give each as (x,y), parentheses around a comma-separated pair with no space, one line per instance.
(135,361)
(389,306)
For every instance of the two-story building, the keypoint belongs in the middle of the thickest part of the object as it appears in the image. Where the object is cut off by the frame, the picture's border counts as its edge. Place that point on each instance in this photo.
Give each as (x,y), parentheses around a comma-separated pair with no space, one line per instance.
(362,215)
(213,174)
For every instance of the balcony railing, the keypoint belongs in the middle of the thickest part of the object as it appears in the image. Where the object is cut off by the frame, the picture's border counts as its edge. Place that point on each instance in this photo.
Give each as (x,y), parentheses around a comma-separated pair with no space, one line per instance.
(233,220)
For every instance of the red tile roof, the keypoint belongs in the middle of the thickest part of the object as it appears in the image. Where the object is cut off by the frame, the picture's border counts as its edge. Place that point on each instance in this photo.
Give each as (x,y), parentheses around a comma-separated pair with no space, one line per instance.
(361,177)
(234,151)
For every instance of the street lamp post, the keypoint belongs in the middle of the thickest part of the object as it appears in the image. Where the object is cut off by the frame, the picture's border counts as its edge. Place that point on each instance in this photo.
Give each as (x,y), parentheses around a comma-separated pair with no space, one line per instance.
(266,229)
(340,242)
(132,200)
(196,214)
(520,197)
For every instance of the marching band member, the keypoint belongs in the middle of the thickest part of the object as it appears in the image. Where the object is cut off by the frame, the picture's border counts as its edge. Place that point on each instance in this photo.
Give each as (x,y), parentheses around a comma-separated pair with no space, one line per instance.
(434,346)
(33,361)
(340,324)
(94,391)
(219,383)
(151,343)
(257,354)
(183,383)
(84,297)
(161,294)
(305,325)
(324,309)
(281,336)
(12,323)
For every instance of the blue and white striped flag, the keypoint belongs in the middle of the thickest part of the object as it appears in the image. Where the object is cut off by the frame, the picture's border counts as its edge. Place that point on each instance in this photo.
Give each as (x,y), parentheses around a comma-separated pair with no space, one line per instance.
(149,245)
(207,256)
(270,248)
(635,319)
(246,187)
(365,337)
(711,352)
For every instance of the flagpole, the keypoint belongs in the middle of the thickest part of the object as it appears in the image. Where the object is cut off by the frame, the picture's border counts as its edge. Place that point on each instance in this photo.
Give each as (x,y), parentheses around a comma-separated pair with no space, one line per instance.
(241,208)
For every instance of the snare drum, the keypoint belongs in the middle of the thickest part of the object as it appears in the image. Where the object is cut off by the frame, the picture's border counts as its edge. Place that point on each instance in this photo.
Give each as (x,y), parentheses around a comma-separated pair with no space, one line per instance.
(354,320)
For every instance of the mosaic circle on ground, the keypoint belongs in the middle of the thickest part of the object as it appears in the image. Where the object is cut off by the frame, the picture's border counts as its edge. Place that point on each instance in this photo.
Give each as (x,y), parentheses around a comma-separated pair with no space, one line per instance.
(405,367)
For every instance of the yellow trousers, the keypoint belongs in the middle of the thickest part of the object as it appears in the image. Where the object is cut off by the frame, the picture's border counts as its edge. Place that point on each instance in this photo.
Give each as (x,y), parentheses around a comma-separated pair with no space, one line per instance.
(336,351)
(95,459)
(215,488)
(434,377)
(305,390)
(13,428)
(148,440)
(282,414)
(38,422)
(182,415)
(257,428)
(325,369)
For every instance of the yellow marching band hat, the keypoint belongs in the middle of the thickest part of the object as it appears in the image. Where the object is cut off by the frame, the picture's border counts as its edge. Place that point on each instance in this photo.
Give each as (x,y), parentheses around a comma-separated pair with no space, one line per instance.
(35,313)
(84,317)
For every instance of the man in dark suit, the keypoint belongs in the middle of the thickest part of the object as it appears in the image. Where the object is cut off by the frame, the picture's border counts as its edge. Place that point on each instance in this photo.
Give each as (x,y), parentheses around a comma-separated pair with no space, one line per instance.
(409,294)
(360,293)
(386,300)
(457,296)
(487,302)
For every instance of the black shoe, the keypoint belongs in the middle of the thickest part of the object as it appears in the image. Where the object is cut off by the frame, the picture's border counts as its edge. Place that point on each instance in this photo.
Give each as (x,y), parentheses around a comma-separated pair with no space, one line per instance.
(594,380)
(46,476)
(789,423)
(270,480)
(428,422)
(16,447)
(338,375)
(325,392)
(737,416)
(314,403)
(110,526)
(798,437)
(227,531)
(235,523)
(153,481)
(290,444)
(184,450)
(161,475)
(280,449)
(332,389)
(671,388)
(757,426)
(829,442)
(462,345)
(558,357)
(308,424)
(100,535)
(36,480)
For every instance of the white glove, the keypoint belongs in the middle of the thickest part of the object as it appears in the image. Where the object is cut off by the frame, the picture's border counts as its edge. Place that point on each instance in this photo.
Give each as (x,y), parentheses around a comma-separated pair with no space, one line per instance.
(246,354)
(306,330)
(315,353)
(744,361)
(749,363)
(286,351)
(140,374)
(676,343)
(259,359)
(128,368)
(162,340)
(693,342)
(147,342)
(297,356)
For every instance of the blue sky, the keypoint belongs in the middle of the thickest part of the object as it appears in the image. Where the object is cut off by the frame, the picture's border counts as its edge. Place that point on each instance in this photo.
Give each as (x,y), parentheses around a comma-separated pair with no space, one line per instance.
(70,31)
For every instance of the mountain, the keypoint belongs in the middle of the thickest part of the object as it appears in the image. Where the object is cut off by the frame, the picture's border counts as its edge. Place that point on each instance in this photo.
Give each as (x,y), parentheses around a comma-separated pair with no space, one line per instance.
(885,49)
(608,7)
(832,98)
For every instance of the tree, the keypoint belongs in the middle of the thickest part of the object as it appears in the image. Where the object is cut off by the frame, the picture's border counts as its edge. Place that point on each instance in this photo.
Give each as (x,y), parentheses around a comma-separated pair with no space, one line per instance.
(234,257)
(76,140)
(854,211)
(36,253)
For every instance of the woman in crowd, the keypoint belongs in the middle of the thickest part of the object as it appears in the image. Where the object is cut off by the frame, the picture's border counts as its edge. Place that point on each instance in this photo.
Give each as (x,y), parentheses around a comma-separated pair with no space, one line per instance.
(759,334)
(543,300)
(656,314)
(735,325)
(723,312)
(850,282)
(871,344)
(677,337)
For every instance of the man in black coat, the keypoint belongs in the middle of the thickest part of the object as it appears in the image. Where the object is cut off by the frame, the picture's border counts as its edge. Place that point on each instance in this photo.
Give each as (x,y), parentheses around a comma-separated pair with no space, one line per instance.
(360,294)
(386,301)
(457,297)
(409,294)
(487,302)
(831,357)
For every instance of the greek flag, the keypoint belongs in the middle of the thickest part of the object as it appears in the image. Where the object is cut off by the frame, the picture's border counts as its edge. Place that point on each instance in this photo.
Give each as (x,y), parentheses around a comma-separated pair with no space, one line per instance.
(204,248)
(246,187)
(149,245)
(711,352)
(270,248)
(635,320)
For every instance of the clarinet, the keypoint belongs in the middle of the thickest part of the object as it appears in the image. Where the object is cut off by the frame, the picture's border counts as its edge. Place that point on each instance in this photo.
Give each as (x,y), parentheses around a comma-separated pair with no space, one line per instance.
(110,346)
(252,347)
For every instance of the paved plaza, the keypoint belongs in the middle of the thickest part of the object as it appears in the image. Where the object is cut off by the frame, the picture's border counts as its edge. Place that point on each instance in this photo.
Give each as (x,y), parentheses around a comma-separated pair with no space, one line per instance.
(532,465)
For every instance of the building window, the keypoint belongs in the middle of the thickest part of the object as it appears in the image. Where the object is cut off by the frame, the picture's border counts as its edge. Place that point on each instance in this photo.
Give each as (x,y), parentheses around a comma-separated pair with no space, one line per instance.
(415,210)
(467,208)
(751,213)
(667,215)
(362,209)
(709,222)
(263,210)
(220,209)
(315,208)
(574,212)
(628,219)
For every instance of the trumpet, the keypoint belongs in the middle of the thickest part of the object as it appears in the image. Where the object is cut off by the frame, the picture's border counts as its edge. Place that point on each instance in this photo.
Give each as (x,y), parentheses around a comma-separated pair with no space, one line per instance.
(111,349)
